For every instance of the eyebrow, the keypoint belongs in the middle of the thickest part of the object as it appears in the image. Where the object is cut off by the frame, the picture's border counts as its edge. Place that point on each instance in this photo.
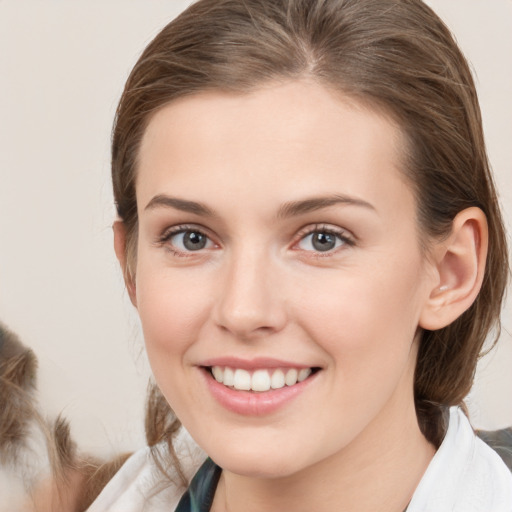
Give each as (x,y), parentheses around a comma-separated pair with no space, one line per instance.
(289,209)
(184,205)
(294,208)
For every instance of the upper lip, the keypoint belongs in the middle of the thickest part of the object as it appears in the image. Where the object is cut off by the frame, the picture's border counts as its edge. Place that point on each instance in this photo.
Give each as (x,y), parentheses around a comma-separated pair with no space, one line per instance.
(253,364)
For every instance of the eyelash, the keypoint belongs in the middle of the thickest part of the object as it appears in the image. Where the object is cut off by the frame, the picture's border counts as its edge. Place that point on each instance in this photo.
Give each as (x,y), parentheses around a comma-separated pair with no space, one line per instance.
(176,230)
(341,234)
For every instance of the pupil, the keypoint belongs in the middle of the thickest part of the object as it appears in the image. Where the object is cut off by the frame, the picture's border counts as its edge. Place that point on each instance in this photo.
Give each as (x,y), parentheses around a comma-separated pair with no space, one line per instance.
(194,241)
(323,241)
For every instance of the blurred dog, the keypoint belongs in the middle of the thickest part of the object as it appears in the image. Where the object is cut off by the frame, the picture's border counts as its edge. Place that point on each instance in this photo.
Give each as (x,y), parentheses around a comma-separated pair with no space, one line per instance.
(41,469)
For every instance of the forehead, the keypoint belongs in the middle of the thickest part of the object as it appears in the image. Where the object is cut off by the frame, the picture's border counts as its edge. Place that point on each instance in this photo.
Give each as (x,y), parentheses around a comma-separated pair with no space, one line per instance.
(287,139)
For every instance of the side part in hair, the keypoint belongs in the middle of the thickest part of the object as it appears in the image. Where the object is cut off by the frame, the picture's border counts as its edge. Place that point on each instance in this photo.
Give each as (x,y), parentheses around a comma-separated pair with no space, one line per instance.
(395,56)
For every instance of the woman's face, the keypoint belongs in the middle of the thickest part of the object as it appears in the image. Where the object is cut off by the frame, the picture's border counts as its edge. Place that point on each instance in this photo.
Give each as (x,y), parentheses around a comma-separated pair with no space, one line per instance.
(278,250)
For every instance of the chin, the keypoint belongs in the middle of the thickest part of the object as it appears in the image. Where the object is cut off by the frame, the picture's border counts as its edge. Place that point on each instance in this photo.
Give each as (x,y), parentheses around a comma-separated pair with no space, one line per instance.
(256,461)
(269,469)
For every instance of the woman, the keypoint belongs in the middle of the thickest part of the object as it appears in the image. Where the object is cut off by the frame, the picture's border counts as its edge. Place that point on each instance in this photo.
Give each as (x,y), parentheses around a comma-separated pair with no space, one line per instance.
(309,231)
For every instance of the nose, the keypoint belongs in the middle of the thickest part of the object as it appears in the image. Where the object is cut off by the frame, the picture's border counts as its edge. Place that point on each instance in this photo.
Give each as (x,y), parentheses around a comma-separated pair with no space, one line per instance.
(249,302)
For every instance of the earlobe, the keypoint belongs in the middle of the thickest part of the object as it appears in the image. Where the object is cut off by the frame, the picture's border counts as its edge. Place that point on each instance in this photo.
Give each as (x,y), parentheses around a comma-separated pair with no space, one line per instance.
(120,242)
(460,265)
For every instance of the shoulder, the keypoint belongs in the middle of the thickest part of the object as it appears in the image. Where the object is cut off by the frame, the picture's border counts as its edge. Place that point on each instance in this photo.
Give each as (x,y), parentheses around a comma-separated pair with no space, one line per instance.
(465,475)
(140,484)
(500,441)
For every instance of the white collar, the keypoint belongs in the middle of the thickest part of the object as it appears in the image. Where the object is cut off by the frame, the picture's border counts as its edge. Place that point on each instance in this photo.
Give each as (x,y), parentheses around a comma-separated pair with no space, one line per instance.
(465,475)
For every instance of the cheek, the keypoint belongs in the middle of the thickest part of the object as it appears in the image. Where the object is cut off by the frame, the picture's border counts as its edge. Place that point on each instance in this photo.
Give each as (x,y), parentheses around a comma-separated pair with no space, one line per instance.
(365,320)
(173,307)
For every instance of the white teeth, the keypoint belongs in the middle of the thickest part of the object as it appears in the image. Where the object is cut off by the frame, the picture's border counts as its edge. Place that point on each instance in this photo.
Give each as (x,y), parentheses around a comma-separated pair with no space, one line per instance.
(291,377)
(277,380)
(260,380)
(303,374)
(217,373)
(229,377)
(242,380)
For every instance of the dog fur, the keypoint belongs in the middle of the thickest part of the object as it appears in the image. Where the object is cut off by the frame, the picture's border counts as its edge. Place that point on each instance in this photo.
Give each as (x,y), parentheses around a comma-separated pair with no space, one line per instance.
(41,469)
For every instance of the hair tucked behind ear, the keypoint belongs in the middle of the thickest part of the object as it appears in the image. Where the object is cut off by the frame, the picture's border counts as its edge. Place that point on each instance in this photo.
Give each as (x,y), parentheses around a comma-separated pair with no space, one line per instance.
(393,55)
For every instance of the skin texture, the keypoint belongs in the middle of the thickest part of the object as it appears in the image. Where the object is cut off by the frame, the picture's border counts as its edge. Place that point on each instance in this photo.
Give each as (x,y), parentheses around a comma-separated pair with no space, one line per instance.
(259,288)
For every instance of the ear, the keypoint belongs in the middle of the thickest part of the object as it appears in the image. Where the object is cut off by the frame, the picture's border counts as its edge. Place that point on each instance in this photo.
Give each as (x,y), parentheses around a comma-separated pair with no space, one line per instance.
(459,270)
(120,241)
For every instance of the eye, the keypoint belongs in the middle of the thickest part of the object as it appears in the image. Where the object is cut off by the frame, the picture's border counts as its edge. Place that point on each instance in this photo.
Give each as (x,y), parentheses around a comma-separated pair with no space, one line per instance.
(323,240)
(187,240)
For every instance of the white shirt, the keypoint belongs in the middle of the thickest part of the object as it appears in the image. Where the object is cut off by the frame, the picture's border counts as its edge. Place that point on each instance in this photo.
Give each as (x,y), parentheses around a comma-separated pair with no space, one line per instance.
(465,475)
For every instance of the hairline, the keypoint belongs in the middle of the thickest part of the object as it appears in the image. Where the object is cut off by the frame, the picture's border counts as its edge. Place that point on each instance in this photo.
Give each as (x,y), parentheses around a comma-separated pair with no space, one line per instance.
(354,100)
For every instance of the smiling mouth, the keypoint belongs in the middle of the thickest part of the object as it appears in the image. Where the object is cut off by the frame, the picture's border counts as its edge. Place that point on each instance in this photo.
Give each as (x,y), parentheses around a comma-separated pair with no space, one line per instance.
(259,380)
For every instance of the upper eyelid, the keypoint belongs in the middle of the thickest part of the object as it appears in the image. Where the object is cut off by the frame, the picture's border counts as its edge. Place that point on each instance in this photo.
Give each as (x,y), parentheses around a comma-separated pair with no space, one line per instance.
(348,240)
(327,228)
(181,228)
(164,240)
(300,234)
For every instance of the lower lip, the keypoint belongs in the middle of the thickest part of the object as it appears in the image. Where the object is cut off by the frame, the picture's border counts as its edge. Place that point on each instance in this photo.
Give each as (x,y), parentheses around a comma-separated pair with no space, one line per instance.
(250,403)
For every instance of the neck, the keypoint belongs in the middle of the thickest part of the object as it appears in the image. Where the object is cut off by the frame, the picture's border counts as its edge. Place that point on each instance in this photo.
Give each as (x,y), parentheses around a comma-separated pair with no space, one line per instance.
(379,470)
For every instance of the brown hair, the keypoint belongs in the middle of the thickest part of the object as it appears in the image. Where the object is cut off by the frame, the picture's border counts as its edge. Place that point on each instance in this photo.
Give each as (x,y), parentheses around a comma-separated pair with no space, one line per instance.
(394,55)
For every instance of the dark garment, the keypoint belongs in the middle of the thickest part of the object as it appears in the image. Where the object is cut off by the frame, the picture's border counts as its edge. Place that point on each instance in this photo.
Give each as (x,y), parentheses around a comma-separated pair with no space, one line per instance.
(500,441)
(199,495)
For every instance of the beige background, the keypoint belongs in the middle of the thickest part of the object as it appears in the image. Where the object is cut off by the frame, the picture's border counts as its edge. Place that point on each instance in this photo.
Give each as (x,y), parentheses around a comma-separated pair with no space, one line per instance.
(62,68)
